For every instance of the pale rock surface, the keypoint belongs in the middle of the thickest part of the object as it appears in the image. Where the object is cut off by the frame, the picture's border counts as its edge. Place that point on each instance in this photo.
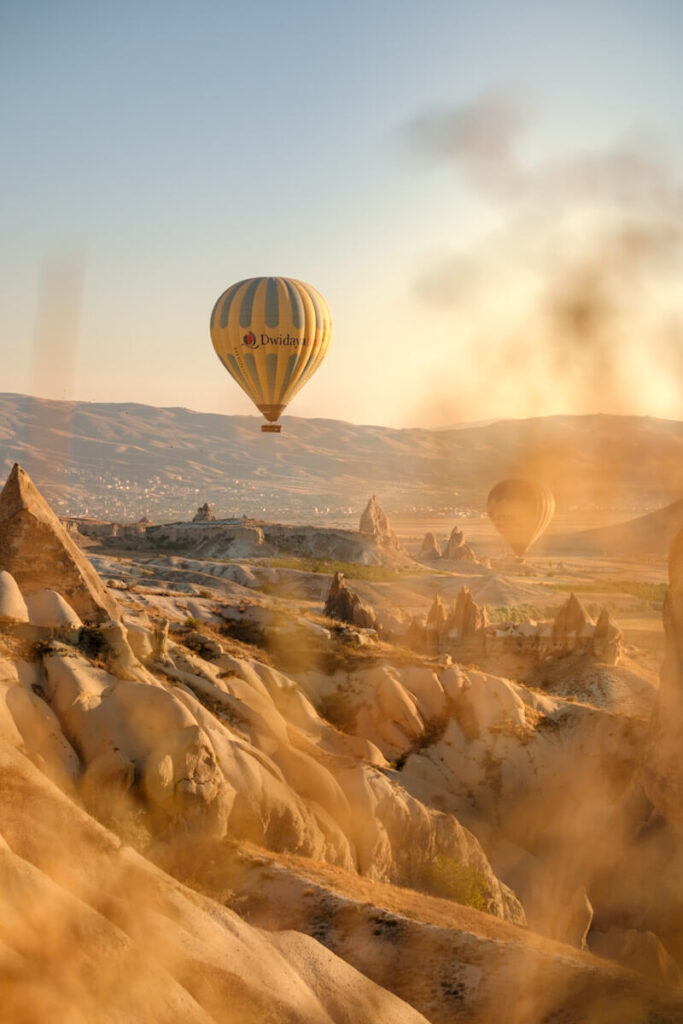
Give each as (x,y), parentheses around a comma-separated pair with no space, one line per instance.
(232,745)
(385,713)
(295,640)
(210,539)
(319,801)
(415,635)
(50,610)
(30,723)
(426,688)
(216,540)
(118,652)
(392,621)
(437,615)
(345,605)
(12,605)
(148,949)
(429,550)
(529,763)
(449,961)
(266,777)
(607,639)
(374,523)
(101,713)
(453,680)
(457,550)
(506,751)
(9,732)
(390,705)
(204,514)
(571,619)
(395,837)
(466,618)
(140,639)
(107,779)
(181,776)
(27,523)
(620,689)
(159,640)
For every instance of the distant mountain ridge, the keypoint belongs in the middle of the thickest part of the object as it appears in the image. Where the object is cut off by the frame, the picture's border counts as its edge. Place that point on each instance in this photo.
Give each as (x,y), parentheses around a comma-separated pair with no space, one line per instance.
(124,460)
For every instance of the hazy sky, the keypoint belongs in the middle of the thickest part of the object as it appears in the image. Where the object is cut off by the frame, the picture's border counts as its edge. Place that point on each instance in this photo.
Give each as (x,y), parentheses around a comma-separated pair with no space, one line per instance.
(486,192)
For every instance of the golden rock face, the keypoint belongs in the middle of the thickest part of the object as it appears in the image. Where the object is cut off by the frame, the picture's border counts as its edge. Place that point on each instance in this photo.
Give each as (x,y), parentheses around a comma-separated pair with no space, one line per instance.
(27,523)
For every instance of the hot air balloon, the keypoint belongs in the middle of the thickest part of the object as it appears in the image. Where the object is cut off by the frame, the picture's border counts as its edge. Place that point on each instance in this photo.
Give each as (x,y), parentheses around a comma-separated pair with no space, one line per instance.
(271,334)
(520,510)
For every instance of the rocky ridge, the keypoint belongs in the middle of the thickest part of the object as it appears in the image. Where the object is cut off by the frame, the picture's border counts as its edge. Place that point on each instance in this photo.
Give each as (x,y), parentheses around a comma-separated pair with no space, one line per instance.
(36,549)
(455,551)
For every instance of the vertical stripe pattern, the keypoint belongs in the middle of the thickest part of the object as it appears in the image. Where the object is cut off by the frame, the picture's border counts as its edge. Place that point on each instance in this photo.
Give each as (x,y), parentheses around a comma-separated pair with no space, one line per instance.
(521,510)
(271,334)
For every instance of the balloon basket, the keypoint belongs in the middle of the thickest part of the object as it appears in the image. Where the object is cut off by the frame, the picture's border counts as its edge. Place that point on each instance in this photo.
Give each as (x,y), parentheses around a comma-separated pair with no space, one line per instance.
(271,428)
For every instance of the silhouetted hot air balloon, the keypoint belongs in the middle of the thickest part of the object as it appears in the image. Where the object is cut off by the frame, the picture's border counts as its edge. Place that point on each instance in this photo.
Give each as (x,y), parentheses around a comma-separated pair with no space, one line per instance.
(271,334)
(520,510)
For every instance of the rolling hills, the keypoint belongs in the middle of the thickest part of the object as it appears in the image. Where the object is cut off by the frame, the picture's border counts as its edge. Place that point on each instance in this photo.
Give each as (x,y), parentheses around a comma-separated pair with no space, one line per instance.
(121,461)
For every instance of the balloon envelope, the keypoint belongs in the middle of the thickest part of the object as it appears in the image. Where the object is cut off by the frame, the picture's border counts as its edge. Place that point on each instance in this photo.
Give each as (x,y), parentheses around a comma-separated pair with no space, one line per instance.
(271,334)
(520,510)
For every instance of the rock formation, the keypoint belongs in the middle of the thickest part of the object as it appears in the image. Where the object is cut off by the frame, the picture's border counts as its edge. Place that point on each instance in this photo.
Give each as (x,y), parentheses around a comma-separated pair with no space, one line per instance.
(607,639)
(415,634)
(571,619)
(141,947)
(467,618)
(204,514)
(374,523)
(12,605)
(159,641)
(48,609)
(36,549)
(437,616)
(430,549)
(198,745)
(345,605)
(457,550)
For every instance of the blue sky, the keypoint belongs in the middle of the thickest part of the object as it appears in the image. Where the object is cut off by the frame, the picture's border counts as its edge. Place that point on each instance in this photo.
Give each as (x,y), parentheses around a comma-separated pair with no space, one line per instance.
(165,150)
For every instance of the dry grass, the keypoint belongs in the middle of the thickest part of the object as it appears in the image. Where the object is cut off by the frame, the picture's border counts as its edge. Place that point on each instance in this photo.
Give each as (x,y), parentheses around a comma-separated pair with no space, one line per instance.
(418,906)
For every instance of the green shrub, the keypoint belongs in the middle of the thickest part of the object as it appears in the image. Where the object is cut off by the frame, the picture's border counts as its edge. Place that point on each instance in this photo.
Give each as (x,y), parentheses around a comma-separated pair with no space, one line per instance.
(450,879)
(502,613)
(353,570)
(650,593)
(166,544)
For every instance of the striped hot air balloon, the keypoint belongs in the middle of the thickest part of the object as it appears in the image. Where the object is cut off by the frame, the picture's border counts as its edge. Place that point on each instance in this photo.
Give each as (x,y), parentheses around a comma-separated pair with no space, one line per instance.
(520,510)
(271,334)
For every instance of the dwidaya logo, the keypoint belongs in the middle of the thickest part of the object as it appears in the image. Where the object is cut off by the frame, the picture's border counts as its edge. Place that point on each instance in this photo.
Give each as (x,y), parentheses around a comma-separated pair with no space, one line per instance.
(249,340)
